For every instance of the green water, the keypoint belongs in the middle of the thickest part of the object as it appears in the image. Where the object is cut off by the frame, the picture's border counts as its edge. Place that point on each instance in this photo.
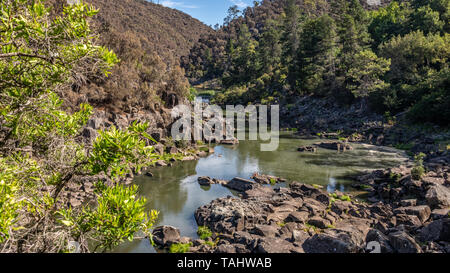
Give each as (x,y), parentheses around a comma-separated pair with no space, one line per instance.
(174,191)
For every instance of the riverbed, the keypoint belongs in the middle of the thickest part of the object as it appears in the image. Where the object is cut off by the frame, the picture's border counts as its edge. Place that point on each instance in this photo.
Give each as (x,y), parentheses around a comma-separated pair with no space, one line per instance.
(174,191)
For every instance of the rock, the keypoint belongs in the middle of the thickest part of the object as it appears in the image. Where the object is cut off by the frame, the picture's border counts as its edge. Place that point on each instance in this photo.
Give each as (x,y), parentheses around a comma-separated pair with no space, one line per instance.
(265,230)
(166,235)
(259,193)
(228,215)
(205,181)
(202,154)
(311,149)
(299,236)
(172,150)
(440,213)
(273,245)
(408,203)
(298,217)
(319,222)
(89,133)
(224,248)
(338,146)
(266,179)
(233,141)
(161,163)
(377,236)
(422,212)
(328,243)
(401,242)
(159,148)
(94,123)
(438,230)
(240,184)
(438,196)
(408,220)
(188,158)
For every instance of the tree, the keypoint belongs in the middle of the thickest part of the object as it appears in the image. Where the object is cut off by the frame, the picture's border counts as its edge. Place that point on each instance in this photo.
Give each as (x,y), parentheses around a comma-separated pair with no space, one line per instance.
(232,13)
(365,75)
(41,157)
(316,55)
(290,39)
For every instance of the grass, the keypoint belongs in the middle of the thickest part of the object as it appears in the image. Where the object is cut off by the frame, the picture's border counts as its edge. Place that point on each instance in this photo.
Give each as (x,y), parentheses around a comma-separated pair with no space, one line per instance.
(204,232)
(342,197)
(179,248)
(273,181)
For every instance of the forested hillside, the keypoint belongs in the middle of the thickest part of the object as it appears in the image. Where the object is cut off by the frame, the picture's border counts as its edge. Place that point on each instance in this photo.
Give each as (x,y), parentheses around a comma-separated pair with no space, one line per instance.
(392,58)
(149,40)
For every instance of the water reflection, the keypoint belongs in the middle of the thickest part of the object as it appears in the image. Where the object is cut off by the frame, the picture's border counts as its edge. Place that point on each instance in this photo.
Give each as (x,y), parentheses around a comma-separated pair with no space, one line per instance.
(174,191)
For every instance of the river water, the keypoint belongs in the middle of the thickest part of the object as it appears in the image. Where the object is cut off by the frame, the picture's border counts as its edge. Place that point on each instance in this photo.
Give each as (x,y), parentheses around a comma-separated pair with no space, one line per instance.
(174,191)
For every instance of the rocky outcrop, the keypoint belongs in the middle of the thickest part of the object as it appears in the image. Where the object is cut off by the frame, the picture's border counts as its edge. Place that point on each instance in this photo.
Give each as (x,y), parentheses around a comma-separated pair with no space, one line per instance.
(166,235)
(302,218)
(338,146)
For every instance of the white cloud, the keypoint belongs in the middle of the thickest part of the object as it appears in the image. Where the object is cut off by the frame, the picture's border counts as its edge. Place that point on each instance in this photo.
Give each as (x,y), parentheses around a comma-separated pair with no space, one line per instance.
(176,4)
(241,4)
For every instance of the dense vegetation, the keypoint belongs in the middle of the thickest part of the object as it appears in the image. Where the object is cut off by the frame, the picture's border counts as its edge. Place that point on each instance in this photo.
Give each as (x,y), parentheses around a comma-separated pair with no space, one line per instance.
(393,59)
(43,163)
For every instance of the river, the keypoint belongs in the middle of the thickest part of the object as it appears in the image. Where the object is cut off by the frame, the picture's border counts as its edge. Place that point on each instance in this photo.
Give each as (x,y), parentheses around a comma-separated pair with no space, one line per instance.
(174,191)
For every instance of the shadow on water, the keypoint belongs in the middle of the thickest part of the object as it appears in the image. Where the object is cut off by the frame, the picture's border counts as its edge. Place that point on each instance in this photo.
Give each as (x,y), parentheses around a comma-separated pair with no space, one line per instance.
(174,191)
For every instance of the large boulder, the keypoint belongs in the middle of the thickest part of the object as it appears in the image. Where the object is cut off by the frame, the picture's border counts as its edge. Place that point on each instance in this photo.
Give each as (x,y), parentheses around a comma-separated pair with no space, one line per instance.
(422,212)
(166,235)
(273,245)
(329,243)
(240,184)
(438,196)
(403,243)
(438,230)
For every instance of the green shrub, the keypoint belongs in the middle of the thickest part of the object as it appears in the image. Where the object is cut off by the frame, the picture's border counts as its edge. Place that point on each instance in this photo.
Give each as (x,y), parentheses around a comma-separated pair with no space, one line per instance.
(204,232)
(179,248)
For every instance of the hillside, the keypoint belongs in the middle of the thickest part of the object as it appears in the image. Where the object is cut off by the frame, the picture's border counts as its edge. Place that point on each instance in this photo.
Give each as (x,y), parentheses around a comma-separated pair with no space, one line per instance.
(149,40)
(166,31)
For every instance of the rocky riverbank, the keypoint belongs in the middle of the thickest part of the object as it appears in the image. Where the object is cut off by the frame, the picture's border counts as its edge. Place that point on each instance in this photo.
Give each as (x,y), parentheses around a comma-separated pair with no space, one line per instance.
(327,119)
(400,215)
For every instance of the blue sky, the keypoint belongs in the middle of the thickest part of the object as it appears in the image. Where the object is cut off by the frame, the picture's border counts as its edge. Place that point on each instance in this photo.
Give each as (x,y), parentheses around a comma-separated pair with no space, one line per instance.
(210,12)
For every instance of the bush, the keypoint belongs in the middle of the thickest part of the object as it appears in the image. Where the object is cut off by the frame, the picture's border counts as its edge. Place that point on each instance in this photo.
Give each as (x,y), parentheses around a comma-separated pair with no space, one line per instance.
(204,232)
(179,248)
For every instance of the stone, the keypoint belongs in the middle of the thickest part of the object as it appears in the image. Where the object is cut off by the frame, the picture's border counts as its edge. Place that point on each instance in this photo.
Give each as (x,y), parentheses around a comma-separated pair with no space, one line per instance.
(328,243)
(224,248)
(311,149)
(377,236)
(422,212)
(440,213)
(273,245)
(338,146)
(166,235)
(438,196)
(265,230)
(205,181)
(161,163)
(188,158)
(159,148)
(438,230)
(299,236)
(233,141)
(401,242)
(319,222)
(240,184)
(408,220)
(408,202)
(298,217)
